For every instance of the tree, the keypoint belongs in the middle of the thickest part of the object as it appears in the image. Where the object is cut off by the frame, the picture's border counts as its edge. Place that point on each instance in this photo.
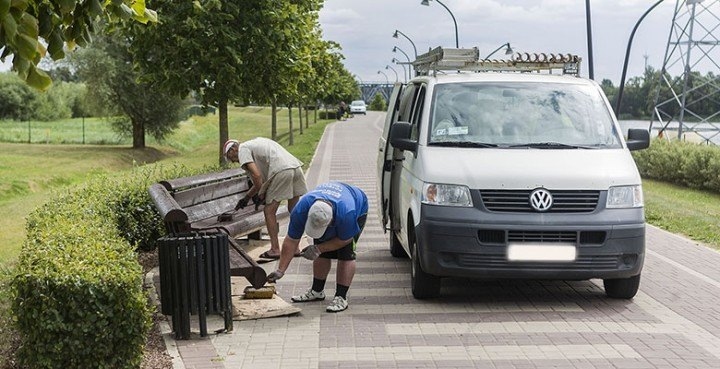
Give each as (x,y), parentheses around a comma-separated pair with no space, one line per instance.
(60,23)
(378,103)
(137,107)
(226,51)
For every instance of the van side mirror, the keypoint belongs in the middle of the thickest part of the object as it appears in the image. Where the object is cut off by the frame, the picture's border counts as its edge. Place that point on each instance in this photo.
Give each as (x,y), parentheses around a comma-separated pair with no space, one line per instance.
(638,139)
(400,137)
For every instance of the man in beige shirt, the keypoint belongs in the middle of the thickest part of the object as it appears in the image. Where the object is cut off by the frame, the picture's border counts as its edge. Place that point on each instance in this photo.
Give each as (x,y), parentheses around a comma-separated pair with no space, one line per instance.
(276,176)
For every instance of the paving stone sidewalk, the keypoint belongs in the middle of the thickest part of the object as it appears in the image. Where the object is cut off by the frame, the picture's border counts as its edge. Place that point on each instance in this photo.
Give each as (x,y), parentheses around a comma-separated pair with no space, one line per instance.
(674,321)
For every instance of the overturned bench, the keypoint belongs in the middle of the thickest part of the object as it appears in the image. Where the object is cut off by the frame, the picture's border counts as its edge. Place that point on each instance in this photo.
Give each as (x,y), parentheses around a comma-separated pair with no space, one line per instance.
(193,204)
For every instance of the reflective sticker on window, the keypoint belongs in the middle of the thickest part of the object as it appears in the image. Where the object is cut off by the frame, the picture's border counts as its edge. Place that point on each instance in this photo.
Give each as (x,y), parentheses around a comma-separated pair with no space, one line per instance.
(463,130)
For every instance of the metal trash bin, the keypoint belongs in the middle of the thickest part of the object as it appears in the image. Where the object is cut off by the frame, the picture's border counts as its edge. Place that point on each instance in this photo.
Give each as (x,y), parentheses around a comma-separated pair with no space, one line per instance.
(195,279)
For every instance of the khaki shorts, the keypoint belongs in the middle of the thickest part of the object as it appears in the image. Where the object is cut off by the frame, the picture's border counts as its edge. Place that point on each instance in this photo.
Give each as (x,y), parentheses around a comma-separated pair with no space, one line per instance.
(285,185)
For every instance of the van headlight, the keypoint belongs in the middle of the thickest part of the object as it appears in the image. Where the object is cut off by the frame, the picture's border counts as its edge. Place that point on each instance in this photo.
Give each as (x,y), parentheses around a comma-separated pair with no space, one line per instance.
(445,194)
(625,197)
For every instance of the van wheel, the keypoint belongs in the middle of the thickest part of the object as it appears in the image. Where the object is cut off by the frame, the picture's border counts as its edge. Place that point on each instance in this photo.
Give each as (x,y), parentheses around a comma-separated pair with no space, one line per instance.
(424,285)
(396,249)
(622,288)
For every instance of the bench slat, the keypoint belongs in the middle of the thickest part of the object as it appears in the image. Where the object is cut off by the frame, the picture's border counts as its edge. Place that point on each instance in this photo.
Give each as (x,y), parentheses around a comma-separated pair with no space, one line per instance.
(166,205)
(201,179)
(189,197)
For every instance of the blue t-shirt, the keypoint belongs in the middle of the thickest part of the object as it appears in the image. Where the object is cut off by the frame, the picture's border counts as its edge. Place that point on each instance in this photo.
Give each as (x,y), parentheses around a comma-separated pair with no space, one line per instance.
(348,202)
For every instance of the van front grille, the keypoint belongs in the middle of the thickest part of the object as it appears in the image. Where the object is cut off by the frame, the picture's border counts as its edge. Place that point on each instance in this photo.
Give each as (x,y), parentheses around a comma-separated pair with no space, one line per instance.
(542,236)
(518,201)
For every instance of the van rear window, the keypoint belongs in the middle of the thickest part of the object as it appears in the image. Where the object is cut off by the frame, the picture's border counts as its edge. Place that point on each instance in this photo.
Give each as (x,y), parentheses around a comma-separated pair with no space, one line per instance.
(544,115)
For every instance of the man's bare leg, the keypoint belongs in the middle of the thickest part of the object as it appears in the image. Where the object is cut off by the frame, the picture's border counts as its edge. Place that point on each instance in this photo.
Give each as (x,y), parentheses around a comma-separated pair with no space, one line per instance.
(321,268)
(272,226)
(345,272)
(292,202)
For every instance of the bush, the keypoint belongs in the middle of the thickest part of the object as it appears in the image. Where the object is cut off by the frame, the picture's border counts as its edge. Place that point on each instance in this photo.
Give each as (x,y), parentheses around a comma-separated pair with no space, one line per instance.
(325,114)
(77,294)
(682,163)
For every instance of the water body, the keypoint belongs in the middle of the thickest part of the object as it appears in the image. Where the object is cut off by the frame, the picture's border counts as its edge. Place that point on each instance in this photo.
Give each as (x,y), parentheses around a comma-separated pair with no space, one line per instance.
(704,131)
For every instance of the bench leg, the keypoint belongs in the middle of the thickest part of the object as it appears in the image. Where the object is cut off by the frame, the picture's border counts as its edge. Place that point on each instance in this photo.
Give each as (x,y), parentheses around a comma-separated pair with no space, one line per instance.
(257,235)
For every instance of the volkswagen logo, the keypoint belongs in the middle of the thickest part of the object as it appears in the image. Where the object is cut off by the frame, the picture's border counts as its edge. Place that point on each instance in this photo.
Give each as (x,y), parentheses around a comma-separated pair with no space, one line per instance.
(541,199)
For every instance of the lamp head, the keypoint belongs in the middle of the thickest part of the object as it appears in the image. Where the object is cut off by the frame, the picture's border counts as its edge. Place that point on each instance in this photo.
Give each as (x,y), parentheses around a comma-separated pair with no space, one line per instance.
(387,67)
(394,48)
(395,35)
(509,49)
(425,2)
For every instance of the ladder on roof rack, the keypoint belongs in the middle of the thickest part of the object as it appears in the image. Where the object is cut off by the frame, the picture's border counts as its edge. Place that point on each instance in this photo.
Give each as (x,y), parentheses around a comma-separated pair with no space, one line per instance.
(449,59)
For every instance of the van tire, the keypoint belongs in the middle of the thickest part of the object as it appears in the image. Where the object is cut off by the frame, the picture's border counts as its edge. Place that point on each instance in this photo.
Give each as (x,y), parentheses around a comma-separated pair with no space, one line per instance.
(396,249)
(622,288)
(424,285)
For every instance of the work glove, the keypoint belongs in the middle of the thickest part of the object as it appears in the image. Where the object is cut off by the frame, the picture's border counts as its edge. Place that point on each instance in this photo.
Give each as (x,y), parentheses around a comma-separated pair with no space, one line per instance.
(311,252)
(274,276)
(225,217)
(257,200)
(242,203)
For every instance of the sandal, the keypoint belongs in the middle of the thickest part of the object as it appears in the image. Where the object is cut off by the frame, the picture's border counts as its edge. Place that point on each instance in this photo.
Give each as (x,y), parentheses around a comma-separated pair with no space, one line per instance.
(267,255)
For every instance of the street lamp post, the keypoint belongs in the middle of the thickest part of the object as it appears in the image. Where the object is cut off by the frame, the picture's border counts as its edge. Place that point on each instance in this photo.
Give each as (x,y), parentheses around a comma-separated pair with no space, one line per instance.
(588,23)
(395,49)
(427,3)
(405,72)
(395,35)
(387,80)
(508,50)
(627,57)
(394,71)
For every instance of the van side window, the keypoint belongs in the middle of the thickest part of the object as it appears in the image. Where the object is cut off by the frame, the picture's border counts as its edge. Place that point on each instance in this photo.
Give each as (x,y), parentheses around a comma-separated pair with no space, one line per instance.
(417,113)
(406,103)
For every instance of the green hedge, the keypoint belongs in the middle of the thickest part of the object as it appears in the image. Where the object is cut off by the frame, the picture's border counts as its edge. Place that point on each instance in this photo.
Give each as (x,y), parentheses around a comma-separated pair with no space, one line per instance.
(327,114)
(77,293)
(683,163)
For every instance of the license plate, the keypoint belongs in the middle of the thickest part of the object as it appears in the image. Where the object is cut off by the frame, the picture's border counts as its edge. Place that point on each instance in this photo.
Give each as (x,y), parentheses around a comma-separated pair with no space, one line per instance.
(541,252)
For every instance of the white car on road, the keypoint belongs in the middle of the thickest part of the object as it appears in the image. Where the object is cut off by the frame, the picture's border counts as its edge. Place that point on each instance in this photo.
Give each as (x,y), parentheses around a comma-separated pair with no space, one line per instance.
(358,107)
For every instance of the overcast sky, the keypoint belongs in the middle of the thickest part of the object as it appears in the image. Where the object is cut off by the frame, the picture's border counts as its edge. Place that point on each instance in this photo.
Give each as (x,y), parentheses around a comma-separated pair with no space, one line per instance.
(364,28)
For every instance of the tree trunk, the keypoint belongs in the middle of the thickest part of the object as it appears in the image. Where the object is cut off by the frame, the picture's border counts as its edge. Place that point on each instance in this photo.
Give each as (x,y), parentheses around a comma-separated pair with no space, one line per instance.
(223,123)
(138,135)
(274,120)
(307,123)
(300,119)
(290,140)
(315,118)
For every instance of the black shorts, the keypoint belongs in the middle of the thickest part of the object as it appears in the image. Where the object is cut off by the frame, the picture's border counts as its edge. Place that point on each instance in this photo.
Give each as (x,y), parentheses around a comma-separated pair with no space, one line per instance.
(348,251)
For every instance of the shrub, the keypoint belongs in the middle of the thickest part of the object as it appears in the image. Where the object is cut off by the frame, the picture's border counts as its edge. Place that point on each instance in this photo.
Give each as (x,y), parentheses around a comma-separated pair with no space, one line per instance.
(77,294)
(325,114)
(683,163)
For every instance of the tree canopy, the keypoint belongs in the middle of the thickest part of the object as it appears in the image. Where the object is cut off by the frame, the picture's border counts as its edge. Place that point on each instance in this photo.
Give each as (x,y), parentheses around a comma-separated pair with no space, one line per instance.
(264,51)
(61,24)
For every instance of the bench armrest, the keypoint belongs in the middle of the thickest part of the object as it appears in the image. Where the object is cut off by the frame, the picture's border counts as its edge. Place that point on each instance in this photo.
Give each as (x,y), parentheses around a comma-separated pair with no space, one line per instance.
(166,205)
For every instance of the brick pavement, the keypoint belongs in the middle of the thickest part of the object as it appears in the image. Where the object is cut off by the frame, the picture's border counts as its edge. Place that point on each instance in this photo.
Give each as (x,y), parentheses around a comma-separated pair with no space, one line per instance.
(674,321)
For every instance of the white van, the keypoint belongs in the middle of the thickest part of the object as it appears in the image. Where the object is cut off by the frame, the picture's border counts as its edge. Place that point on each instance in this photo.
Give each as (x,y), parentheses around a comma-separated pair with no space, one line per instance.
(510,175)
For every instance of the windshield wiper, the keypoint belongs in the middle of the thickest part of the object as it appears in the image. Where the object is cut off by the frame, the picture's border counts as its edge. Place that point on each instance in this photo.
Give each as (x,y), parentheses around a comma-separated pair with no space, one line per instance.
(462,144)
(550,145)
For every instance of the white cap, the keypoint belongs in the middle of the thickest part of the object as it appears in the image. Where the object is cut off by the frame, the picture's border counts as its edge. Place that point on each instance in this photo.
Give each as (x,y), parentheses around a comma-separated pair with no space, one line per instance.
(228,145)
(319,217)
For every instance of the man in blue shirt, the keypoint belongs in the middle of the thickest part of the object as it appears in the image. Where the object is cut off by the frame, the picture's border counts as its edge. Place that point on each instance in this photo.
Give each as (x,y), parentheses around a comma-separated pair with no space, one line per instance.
(334,215)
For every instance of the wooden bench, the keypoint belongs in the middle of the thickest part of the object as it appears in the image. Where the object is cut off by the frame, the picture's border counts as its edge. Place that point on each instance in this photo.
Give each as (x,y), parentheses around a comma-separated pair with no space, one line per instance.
(192,204)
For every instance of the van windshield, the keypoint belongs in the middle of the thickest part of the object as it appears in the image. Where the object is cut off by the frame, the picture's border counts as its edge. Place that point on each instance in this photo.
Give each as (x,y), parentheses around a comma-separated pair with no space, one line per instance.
(521,115)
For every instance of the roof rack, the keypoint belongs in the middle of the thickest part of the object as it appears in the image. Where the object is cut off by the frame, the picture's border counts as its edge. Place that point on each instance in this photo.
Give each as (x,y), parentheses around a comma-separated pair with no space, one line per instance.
(449,59)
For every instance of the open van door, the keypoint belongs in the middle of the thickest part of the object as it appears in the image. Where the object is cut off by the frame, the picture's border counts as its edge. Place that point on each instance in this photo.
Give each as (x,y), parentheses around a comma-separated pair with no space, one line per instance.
(385,156)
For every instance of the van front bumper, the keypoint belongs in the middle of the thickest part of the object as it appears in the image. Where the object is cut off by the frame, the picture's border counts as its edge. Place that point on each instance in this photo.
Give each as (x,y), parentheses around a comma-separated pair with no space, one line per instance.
(472,243)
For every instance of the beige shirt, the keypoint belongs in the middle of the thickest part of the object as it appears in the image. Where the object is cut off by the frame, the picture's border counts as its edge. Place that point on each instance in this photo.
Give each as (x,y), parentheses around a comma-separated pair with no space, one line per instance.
(269,157)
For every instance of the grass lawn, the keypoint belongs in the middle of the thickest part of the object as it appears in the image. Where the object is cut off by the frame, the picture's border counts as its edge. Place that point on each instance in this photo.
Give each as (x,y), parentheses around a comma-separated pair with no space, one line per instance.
(693,213)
